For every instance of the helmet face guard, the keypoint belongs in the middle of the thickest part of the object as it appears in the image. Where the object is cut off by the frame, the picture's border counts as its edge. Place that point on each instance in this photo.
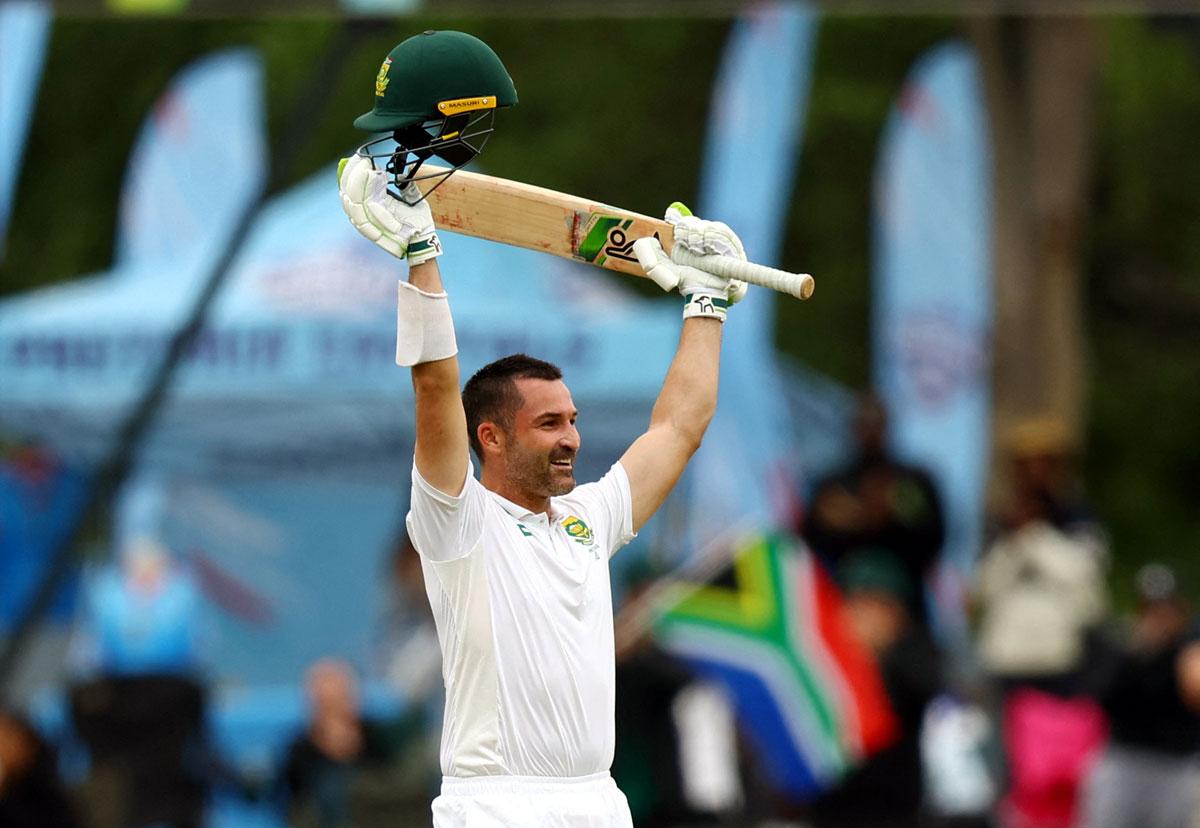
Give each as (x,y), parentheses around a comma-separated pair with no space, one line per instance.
(455,139)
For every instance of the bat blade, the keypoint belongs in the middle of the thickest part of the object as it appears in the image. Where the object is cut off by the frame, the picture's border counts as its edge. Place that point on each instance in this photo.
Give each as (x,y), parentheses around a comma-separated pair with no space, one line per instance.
(538,218)
(576,228)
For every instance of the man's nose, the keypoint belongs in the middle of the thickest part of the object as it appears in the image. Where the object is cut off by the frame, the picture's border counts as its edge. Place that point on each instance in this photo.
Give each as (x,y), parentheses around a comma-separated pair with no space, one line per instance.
(571,439)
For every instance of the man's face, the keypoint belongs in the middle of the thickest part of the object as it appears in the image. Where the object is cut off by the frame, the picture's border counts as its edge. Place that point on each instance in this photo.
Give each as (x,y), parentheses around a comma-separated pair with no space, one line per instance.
(541,447)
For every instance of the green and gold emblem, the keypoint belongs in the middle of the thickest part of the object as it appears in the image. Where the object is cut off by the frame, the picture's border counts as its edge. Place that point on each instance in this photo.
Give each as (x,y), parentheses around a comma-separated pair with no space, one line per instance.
(577,530)
(381,80)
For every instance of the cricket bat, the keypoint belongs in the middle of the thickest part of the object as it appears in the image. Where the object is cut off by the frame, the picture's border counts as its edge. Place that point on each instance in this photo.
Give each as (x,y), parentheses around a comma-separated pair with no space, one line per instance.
(575,228)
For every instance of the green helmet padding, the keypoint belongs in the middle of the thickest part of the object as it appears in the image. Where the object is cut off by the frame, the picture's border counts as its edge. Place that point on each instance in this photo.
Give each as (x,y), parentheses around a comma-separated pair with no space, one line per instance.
(435,75)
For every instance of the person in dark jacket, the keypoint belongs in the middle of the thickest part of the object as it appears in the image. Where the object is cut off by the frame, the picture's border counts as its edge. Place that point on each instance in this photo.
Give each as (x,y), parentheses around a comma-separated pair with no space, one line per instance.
(878,502)
(1149,776)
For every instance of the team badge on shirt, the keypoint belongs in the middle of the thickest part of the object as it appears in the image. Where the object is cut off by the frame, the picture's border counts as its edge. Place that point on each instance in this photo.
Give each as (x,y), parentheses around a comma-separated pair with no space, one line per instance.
(578,531)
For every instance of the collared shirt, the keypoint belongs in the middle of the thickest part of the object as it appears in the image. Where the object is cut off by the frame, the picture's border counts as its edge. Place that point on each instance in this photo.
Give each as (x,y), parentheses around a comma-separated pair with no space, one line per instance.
(523,609)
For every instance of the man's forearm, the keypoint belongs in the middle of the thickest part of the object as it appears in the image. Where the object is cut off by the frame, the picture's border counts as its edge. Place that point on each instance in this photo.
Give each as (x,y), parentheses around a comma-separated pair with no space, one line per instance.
(689,393)
(426,276)
(688,399)
(441,449)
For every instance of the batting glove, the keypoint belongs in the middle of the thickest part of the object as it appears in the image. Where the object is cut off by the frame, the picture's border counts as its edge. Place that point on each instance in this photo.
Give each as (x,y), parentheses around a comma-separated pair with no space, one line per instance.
(703,237)
(705,294)
(404,230)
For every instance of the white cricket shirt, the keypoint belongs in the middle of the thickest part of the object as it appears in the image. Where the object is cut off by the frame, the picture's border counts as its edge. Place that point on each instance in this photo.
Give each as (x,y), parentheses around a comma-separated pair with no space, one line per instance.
(524,617)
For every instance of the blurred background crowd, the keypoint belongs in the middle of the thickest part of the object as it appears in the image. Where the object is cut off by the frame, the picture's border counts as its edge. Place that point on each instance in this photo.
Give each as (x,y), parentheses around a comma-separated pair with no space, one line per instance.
(934,566)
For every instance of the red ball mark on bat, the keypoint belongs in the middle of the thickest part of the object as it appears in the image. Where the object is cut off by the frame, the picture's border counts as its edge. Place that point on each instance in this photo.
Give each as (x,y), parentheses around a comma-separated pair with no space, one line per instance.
(577,225)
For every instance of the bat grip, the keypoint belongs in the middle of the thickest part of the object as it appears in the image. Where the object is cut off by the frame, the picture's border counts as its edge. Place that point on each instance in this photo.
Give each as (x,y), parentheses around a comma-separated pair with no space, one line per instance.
(799,285)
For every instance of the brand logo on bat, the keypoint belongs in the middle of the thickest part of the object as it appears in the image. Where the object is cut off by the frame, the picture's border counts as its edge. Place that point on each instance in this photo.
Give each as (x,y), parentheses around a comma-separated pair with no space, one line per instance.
(607,237)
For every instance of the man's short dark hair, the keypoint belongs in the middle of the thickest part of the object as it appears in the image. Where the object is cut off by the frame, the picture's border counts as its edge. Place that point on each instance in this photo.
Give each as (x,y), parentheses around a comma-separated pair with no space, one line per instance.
(492,396)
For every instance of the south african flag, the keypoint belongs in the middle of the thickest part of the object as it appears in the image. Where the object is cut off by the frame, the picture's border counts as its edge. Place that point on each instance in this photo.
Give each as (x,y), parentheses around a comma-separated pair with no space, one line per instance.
(808,695)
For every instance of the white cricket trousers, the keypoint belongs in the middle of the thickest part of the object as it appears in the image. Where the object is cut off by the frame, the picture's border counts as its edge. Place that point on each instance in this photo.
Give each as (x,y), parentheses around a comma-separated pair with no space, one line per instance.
(531,802)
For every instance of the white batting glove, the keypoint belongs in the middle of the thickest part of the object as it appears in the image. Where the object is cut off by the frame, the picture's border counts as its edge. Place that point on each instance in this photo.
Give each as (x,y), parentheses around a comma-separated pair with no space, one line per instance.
(404,230)
(705,294)
(704,238)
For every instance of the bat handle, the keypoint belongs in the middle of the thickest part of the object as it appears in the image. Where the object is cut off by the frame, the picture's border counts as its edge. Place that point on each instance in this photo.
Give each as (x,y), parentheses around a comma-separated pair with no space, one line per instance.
(799,285)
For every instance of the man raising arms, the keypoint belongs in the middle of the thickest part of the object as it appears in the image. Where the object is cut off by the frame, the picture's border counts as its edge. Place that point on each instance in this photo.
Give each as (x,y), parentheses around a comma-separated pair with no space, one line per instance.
(516,562)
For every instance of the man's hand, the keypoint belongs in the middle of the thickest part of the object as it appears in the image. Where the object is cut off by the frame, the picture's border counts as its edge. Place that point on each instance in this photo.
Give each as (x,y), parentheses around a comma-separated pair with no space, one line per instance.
(703,237)
(404,230)
(705,293)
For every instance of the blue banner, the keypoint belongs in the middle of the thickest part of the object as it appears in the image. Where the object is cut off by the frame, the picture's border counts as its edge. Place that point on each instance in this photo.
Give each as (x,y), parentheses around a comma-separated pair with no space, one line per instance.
(199,161)
(745,472)
(932,313)
(24,31)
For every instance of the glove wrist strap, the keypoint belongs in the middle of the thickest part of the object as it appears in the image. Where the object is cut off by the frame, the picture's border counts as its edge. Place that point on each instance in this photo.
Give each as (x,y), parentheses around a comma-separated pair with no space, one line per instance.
(705,304)
(422,249)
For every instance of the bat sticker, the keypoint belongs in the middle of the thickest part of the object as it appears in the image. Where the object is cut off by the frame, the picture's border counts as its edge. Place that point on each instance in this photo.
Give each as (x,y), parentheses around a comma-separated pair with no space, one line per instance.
(618,247)
(595,246)
(606,237)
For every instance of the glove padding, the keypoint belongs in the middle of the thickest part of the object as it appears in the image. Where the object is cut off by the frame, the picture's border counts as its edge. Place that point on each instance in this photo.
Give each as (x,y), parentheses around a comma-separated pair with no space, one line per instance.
(705,293)
(404,230)
(704,238)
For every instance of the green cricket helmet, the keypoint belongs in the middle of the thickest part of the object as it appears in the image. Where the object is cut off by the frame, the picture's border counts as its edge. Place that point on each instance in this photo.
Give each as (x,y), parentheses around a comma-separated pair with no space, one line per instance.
(436,94)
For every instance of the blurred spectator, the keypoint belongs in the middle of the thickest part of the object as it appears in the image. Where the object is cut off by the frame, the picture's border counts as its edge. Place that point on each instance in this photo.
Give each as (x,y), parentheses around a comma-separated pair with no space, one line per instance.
(1040,587)
(140,616)
(324,764)
(1149,776)
(676,757)
(1040,600)
(1040,453)
(31,795)
(140,709)
(886,790)
(1050,743)
(878,502)
(1039,595)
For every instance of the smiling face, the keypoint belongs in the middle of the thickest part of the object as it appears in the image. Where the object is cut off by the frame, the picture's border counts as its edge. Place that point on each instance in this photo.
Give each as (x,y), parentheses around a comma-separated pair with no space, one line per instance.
(538,451)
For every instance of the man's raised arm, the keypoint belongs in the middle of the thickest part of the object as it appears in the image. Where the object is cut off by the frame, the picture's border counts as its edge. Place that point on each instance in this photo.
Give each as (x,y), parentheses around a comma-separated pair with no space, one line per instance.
(424,330)
(441,449)
(688,398)
(681,414)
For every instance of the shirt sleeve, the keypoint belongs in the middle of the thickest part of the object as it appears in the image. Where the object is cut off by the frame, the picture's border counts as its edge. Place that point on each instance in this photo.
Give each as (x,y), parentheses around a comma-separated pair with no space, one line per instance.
(445,527)
(609,505)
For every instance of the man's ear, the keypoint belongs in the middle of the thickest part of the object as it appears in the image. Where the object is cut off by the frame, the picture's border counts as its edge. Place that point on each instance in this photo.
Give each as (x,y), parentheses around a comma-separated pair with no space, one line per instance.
(491,437)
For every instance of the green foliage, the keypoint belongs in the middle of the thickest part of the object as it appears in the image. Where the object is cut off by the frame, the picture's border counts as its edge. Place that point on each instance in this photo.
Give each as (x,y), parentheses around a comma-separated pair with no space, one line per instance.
(861,64)
(1143,454)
